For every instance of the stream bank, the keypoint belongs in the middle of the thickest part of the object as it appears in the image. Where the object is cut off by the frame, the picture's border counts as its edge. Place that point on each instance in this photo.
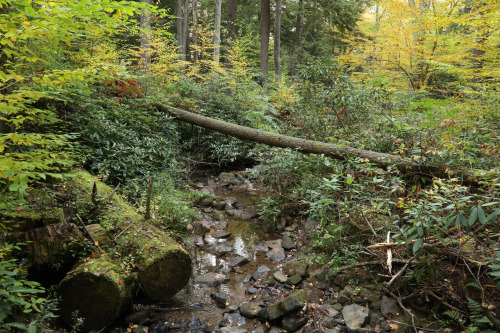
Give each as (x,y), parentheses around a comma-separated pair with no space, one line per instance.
(248,277)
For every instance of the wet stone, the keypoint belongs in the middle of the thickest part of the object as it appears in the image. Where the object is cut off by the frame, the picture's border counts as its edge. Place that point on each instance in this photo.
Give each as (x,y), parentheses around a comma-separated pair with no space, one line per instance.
(259,329)
(232,319)
(293,268)
(294,279)
(329,311)
(287,242)
(232,330)
(261,272)
(219,204)
(237,260)
(262,246)
(341,298)
(218,215)
(355,315)
(273,244)
(223,248)
(205,202)
(292,323)
(230,212)
(292,227)
(280,277)
(225,178)
(388,306)
(250,310)
(276,254)
(329,322)
(252,290)
(221,234)
(247,278)
(211,279)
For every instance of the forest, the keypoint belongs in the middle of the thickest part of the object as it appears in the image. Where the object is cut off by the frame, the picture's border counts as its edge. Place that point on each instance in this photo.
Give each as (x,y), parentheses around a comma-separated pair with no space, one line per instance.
(250,166)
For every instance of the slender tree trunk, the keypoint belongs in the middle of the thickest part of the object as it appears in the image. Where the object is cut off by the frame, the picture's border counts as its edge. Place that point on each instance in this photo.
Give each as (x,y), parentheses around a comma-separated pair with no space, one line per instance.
(145,61)
(277,41)
(180,33)
(374,55)
(232,6)
(298,35)
(265,21)
(195,31)
(218,10)
(185,29)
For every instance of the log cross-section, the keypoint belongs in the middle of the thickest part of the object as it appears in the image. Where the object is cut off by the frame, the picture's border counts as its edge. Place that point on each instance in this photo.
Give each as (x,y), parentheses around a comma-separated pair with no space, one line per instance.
(405,165)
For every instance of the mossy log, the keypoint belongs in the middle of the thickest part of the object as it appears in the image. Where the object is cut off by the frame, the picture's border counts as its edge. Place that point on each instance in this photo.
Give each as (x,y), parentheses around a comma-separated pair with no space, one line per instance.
(405,165)
(101,287)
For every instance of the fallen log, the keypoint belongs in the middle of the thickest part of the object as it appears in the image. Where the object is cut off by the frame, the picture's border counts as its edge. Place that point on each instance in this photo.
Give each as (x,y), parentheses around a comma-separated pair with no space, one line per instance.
(101,287)
(405,165)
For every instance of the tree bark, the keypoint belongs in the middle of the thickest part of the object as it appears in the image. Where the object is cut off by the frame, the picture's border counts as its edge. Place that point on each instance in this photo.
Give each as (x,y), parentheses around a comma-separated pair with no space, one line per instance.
(405,165)
(232,6)
(185,29)
(180,34)
(218,10)
(265,21)
(195,31)
(298,35)
(145,61)
(277,41)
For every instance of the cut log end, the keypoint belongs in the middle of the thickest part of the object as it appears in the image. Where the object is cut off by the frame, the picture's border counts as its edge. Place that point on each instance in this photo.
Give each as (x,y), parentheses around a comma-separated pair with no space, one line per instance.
(168,275)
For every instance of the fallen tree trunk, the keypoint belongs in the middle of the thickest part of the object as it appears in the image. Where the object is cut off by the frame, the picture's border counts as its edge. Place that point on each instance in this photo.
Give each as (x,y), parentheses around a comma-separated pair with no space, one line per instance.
(101,287)
(405,165)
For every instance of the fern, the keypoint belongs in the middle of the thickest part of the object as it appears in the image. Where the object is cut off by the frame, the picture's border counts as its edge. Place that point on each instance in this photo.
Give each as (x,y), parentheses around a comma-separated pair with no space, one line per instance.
(453,315)
(474,285)
(478,320)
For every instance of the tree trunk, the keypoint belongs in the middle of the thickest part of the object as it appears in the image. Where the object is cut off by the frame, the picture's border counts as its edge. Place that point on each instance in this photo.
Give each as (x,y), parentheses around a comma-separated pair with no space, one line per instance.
(195,31)
(180,34)
(185,29)
(405,165)
(277,41)
(218,10)
(232,6)
(101,287)
(298,35)
(374,54)
(145,61)
(265,22)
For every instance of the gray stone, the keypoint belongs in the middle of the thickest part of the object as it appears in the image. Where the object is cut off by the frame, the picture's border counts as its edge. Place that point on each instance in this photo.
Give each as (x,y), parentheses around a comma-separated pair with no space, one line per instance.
(211,279)
(292,323)
(329,322)
(219,204)
(205,202)
(292,268)
(225,178)
(232,319)
(341,298)
(262,246)
(370,295)
(280,277)
(221,234)
(355,315)
(237,261)
(294,279)
(287,242)
(276,243)
(288,305)
(230,212)
(250,309)
(329,311)
(232,330)
(292,227)
(331,330)
(252,290)
(276,254)
(218,215)
(310,225)
(261,272)
(259,329)
(388,306)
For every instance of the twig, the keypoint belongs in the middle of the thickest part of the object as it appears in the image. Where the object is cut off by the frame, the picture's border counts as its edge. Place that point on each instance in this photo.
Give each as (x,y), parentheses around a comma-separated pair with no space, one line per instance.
(430,292)
(89,236)
(123,230)
(398,274)
(369,224)
(389,253)
(398,299)
(366,263)
(487,312)
(112,193)
(148,200)
(93,195)
(420,328)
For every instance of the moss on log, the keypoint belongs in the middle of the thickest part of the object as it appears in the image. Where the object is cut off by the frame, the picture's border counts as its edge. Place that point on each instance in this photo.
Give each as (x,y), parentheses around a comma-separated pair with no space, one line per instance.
(100,288)
(405,165)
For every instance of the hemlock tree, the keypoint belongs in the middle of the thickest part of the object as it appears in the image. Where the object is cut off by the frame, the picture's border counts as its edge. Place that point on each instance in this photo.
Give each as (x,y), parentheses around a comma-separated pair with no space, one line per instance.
(265,21)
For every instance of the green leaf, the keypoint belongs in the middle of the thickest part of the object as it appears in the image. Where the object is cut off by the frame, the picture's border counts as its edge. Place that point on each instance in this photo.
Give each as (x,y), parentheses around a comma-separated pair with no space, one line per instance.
(481,215)
(417,245)
(473,216)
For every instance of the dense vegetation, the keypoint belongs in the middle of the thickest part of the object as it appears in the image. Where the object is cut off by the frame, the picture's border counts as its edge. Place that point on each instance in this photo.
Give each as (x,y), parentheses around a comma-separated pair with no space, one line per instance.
(416,79)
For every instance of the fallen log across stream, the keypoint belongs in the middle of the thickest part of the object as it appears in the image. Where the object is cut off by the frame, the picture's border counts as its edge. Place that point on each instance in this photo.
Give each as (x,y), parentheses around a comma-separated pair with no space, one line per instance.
(405,165)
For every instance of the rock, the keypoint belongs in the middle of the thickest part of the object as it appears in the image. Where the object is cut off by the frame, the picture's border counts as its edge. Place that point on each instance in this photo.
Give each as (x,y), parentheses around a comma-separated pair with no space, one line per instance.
(259,329)
(137,317)
(341,298)
(205,202)
(288,305)
(274,311)
(223,248)
(237,260)
(232,308)
(247,278)
(329,311)
(329,322)
(292,323)
(230,212)
(370,295)
(388,306)
(337,306)
(232,330)
(341,279)
(273,244)
(287,242)
(211,279)
(263,315)
(225,178)
(292,227)
(280,277)
(310,225)
(262,246)
(232,319)
(221,234)
(294,279)
(331,330)
(218,215)
(315,269)
(276,254)
(293,268)
(261,272)
(374,318)
(250,309)
(219,204)
(201,227)
(355,315)
(139,329)
(220,300)
(252,290)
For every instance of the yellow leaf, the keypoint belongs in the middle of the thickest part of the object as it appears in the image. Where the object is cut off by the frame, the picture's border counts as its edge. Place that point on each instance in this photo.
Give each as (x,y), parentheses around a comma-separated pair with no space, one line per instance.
(26,24)
(96,243)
